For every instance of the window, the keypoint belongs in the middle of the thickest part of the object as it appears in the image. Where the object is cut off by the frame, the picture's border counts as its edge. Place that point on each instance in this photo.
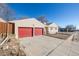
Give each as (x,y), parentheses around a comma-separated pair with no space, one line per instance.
(51,28)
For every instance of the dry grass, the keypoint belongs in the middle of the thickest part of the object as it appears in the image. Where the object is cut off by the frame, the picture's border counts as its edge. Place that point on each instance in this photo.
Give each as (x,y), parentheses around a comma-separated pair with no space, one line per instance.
(60,35)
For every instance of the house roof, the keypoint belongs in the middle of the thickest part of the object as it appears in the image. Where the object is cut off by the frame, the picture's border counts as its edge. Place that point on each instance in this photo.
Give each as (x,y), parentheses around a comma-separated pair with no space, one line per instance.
(1,20)
(53,25)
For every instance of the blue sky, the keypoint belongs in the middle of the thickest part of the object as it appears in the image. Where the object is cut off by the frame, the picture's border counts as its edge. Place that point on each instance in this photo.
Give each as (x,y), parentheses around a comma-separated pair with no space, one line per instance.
(62,14)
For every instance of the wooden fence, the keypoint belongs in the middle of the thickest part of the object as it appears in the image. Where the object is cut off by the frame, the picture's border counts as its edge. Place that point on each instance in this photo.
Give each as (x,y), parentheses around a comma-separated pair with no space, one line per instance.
(6,27)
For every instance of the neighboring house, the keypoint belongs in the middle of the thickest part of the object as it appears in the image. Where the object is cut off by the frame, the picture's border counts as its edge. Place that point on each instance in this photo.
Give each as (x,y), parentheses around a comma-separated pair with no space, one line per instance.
(52,28)
(28,28)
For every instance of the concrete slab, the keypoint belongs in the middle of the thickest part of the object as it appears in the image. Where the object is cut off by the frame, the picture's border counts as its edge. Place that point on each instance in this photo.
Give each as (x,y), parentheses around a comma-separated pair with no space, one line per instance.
(40,45)
(73,53)
(62,50)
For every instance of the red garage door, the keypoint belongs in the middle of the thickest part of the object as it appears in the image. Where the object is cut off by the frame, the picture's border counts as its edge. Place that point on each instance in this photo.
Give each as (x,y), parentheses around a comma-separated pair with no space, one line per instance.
(25,32)
(38,31)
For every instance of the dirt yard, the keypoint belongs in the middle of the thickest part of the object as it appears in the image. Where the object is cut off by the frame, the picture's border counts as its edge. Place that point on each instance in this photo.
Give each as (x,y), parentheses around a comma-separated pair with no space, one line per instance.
(60,35)
(11,47)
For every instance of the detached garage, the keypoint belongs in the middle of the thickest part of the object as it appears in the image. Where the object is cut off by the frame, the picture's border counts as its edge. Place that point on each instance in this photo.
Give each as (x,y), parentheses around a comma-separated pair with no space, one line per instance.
(28,28)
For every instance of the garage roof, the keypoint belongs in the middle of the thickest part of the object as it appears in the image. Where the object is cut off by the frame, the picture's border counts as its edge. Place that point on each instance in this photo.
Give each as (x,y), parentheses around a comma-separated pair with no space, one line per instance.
(28,22)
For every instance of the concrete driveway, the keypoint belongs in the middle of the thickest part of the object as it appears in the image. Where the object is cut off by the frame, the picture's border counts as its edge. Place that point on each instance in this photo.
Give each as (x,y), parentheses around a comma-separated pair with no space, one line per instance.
(49,46)
(40,45)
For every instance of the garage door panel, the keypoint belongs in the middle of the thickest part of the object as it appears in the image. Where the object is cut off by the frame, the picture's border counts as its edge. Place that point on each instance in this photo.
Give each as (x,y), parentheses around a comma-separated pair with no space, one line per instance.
(25,32)
(28,32)
(38,31)
(22,32)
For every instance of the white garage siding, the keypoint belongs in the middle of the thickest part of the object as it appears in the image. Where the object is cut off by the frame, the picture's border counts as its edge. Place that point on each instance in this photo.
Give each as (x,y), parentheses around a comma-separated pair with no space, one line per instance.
(31,22)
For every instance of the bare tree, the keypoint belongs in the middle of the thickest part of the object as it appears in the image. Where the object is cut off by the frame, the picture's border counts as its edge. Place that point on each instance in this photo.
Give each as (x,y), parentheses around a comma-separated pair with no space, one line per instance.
(5,12)
(70,28)
(43,19)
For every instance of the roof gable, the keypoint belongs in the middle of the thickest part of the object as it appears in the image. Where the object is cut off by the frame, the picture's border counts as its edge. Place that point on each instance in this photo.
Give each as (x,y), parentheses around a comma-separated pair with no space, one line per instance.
(53,25)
